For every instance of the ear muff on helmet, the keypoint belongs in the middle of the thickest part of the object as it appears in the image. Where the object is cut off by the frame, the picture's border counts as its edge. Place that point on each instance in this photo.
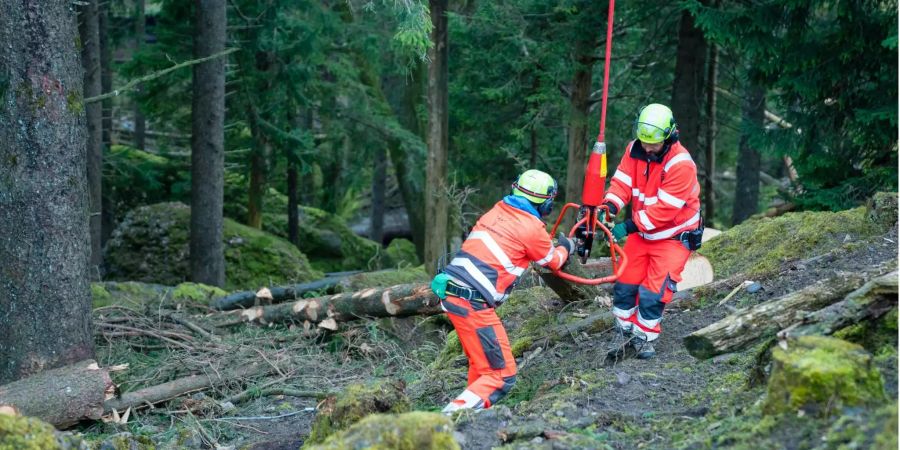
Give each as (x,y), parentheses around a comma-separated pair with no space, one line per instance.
(544,209)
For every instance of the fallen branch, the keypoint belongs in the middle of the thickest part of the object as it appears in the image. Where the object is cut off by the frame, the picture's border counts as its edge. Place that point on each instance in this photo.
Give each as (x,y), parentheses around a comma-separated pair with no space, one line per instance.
(62,396)
(175,388)
(256,393)
(134,83)
(247,299)
(749,326)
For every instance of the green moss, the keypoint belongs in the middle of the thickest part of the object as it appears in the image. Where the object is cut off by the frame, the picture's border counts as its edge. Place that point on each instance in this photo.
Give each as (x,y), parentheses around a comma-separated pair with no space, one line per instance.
(197,292)
(403,252)
(124,441)
(26,433)
(821,375)
(452,349)
(411,431)
(521,345)
(74,101)
(385,278)
(759,246)
(878,336)
(100,296)
(354,403)
(152,245)
(330,244)
(882,209)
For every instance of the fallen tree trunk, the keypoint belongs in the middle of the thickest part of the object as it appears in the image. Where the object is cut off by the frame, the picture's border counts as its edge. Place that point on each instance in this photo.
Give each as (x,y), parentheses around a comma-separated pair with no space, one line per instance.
(396,301)
(247,299)
(167,391)
(62,396)
(749,326)
(571,292)
(875,298)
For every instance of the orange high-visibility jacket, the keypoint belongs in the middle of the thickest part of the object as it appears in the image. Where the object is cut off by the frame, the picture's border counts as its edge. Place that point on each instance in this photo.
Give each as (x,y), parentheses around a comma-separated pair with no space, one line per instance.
(499,248)
(664,192)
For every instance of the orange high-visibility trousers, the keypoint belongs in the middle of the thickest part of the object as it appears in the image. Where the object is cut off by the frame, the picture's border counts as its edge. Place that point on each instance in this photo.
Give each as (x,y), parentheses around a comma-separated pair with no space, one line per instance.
(492,367)
(647,284)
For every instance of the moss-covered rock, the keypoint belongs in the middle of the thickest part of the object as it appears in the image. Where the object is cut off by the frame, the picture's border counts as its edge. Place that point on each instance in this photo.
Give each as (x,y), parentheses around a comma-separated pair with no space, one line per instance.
(882,209)
(355,402)
(26,433)
(142,296)
(124,441)
(411,431)
(821,375)
(403,253)
(385,278)
(759,246)
(152,244)
(328,242)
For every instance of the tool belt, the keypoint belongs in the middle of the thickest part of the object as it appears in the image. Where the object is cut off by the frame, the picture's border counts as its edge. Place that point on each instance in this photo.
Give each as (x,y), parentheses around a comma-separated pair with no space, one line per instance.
(464,292)
(691,239)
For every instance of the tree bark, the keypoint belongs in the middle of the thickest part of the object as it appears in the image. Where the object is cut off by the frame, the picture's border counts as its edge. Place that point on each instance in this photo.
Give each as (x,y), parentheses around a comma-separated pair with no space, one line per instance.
(292,212)
(246,299)
(746,196)
(690,60)
(436,207)
(258,168)
(379,176)
(568,291)
(167,391)
(45,241)
(105,72)
(207,145)
(579,102)
(711,132)
(63,396)
(752,325)
(872,300)
(88,28)
(140,33)
(396,301)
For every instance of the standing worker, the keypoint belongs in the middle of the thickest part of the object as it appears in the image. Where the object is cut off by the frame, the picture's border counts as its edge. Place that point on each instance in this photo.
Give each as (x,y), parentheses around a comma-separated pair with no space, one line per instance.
(659,179)
(504,241)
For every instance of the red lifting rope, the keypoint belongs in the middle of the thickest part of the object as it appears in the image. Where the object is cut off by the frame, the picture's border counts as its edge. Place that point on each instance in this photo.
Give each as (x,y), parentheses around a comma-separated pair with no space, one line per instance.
(593,190)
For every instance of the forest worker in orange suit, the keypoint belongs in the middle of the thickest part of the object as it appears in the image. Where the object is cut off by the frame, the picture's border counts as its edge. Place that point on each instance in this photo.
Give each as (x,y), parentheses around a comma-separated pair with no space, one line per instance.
(480,276)
(659,179)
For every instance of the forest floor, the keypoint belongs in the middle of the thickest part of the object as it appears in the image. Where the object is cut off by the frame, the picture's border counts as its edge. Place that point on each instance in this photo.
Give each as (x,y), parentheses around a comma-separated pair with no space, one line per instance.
(568,394)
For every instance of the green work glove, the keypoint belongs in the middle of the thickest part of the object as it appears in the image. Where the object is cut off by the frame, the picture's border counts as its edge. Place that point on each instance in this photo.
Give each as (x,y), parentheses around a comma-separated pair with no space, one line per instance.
(439,285)
(623,229)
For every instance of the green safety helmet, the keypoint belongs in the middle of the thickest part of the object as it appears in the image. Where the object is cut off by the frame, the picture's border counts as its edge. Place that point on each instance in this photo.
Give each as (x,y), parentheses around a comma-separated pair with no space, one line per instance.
(537,187)
(654,124)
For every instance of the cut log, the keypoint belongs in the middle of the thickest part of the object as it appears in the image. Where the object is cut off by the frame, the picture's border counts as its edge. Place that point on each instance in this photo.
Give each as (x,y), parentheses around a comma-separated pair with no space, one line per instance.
(62,396)
(247,299)
(396,301)
(752,325)
(167,391)
(875,298)
(571,292)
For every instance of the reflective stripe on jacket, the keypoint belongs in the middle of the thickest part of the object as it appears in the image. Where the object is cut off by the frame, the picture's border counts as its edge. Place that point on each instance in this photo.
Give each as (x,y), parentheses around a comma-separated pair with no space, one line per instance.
(500,247)
(663,192)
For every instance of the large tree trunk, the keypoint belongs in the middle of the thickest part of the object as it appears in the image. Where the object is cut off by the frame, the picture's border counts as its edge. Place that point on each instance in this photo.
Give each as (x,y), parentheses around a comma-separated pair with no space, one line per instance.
(90,60)
(690,60)
(753,325)
(436,222)
(105,72)
(709,190)
(579,101)
(61,397)
(396,301)
(259,157)
(746,195)
(207,145)
(140,22)
(292,212)
(45,241)
(379,176)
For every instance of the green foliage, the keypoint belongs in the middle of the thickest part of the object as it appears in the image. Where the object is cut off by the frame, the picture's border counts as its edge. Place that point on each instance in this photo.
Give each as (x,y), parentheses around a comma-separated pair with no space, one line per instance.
(830,67)
(133,178)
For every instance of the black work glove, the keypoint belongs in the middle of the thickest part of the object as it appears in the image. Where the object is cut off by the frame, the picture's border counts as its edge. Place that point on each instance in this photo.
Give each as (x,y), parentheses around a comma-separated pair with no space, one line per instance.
(565,242)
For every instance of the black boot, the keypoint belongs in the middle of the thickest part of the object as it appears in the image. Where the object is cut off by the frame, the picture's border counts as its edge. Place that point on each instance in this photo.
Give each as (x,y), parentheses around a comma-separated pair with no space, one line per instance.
(620,339)
(643,348)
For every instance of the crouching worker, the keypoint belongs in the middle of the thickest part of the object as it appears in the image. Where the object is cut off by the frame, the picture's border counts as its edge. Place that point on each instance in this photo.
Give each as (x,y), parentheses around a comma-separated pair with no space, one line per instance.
(480,276)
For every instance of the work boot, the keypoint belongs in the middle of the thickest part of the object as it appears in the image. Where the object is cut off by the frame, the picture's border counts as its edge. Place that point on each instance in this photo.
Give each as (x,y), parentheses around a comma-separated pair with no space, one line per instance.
(620,339)
(643,348)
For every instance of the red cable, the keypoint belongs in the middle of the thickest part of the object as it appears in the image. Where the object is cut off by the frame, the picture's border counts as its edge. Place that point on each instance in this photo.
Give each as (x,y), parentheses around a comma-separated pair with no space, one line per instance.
(609,30)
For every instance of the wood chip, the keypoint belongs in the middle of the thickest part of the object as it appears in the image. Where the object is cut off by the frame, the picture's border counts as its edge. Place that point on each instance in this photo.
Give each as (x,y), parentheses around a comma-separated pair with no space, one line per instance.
(329,324)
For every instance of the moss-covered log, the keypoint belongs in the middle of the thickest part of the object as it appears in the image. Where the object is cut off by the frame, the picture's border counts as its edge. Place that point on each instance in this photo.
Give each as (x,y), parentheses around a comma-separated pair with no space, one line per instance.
(62,396)
(571,292)
(396,301)
(875,298)
(749,326)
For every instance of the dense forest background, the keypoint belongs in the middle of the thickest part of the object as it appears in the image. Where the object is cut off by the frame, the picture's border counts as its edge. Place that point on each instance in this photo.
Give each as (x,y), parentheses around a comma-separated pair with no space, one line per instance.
(783,104)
